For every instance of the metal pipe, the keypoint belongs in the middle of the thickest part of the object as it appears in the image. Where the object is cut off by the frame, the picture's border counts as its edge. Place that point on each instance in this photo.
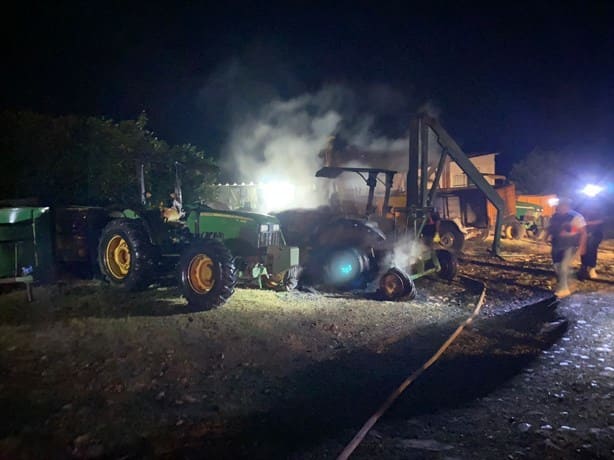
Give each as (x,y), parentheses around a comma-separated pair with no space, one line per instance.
(140,174)
(389,179)
(371,182)
(438,173)
(412,169)
(424,162)
(178,193)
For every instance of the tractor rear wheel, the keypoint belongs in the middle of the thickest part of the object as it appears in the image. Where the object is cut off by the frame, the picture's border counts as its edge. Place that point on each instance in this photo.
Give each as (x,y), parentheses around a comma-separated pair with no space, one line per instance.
(451,237)
(448,264)
(126,257)
(207,274)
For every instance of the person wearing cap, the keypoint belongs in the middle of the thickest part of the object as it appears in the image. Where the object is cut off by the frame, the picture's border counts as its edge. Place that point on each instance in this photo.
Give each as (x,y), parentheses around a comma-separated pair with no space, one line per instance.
(567,233)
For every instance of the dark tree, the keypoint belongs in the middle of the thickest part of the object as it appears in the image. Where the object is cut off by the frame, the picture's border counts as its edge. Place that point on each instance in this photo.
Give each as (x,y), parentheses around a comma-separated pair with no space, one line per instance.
(90,160)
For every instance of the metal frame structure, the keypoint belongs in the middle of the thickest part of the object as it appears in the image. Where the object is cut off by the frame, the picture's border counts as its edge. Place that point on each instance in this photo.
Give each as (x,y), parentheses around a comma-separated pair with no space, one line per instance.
(419,198)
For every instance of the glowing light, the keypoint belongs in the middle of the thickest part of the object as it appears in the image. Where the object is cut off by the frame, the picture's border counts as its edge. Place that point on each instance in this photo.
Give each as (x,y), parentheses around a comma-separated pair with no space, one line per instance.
(277,195)
(345,266)
(553,201)
(592,190)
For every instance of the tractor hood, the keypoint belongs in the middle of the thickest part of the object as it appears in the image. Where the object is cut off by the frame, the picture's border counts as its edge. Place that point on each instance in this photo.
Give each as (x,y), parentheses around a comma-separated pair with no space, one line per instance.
(241,215)
(235,228)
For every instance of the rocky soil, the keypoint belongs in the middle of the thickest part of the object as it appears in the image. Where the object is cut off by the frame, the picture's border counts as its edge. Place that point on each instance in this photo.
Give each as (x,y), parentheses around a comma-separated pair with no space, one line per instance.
(88,372)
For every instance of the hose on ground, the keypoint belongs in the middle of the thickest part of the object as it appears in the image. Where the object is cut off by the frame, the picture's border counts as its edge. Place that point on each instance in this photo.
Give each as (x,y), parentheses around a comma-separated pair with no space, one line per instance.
(358,438)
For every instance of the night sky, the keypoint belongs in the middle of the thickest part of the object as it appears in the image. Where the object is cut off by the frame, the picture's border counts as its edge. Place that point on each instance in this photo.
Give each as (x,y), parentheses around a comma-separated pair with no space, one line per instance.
(503,79)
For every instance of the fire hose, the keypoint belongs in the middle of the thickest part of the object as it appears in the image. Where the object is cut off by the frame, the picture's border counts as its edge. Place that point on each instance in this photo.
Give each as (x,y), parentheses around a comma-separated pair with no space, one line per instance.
(358,438)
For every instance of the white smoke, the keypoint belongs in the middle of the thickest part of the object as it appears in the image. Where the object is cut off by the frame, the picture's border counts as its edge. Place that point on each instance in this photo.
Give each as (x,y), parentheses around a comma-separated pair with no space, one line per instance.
(406,253)
(282,140)
(281,144)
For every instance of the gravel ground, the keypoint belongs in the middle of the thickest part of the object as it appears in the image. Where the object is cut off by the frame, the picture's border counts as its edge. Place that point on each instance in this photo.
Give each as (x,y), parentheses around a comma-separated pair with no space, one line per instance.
(88,372)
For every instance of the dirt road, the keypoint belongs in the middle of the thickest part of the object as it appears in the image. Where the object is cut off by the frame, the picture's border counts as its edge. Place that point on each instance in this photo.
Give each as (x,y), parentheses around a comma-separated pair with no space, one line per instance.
(87,372)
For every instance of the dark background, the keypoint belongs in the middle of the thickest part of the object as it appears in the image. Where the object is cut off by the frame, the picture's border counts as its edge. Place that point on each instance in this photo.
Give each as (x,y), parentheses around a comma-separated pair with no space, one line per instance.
(506,78)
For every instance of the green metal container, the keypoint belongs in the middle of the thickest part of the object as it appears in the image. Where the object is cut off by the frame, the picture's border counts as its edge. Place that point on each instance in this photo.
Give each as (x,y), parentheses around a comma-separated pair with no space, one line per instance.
(25,242)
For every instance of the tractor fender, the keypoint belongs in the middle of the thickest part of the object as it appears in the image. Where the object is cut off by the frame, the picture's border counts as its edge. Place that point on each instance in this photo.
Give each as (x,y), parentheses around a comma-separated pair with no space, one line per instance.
(348,232)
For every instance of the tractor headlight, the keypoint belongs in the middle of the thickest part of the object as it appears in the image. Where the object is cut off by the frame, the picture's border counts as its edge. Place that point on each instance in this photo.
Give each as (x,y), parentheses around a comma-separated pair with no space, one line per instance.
(264,228)
(275,227)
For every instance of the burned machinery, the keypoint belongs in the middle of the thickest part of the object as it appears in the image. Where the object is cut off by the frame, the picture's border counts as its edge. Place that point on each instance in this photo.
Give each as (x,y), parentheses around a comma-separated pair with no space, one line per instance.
(352,251)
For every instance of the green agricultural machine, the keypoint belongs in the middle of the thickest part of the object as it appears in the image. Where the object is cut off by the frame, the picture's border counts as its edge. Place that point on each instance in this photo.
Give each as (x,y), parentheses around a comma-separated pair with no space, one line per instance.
(212,249)
(530,215)
(209,250)
(37,242)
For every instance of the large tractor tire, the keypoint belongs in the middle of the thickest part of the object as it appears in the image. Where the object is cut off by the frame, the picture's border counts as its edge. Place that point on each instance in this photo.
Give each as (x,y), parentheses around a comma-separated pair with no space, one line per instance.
(448,264)
(126,257)
(451,237)
(515,231)
(346,268)
(207,274)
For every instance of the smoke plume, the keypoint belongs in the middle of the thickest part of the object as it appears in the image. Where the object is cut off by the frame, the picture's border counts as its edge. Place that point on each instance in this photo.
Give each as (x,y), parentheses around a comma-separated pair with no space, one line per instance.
(282,140)
(276,133)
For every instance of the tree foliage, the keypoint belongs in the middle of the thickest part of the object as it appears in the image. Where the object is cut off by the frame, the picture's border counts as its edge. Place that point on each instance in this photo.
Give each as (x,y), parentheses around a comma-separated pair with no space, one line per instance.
(91,160)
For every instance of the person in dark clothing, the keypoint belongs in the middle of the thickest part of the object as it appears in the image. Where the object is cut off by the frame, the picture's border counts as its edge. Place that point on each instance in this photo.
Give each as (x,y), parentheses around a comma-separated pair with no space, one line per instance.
(594,229)
(567,232)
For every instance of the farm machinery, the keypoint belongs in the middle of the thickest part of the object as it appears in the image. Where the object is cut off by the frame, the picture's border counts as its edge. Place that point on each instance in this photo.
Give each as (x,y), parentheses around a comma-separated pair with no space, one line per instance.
(389,245)
(353,251)
(209,250)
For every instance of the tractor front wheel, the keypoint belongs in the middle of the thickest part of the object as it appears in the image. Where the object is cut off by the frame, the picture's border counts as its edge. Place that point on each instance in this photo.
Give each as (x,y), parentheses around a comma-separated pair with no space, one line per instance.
(126,257)
(207,274)
(451,237)
(395,284)
(448,264)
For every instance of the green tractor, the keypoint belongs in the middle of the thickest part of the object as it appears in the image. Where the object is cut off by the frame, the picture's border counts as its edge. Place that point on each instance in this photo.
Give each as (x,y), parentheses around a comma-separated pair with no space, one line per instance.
(212,249)
(530,216)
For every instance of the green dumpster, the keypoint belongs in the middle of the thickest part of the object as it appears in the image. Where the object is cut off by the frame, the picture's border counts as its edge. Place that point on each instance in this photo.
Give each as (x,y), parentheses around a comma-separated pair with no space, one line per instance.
(25,242)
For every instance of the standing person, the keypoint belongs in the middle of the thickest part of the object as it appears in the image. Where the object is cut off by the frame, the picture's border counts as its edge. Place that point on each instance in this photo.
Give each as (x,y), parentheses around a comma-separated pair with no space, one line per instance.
(567,231)
(594,229)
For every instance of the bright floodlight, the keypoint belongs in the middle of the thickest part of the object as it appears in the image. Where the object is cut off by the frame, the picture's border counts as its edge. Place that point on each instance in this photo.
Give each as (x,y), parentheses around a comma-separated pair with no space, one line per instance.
(592,190)
(553,201)
(277,196)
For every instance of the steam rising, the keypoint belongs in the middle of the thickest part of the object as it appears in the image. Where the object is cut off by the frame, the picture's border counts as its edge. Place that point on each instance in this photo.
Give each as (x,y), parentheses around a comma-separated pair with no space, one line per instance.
(406,253)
